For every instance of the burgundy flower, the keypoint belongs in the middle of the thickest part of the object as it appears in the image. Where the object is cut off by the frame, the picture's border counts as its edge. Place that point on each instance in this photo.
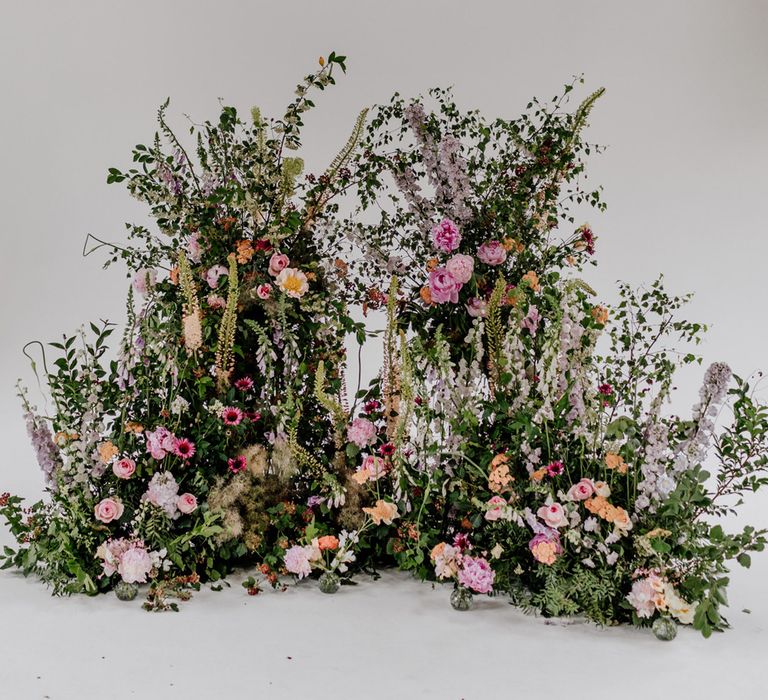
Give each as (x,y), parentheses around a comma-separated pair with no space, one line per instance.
(461,541)
(371,406)
(387,449)
(605,389)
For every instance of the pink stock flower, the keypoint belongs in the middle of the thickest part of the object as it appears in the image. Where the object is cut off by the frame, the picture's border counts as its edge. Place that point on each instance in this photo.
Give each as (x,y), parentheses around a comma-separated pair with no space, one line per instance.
(124,468)
(446,236)
(461,267)
(532,320)
(186,503)
(277,263)
(581,491)
(361,432)
(193,248)
(108,509)
(443,286)
(476,574)
(492,253)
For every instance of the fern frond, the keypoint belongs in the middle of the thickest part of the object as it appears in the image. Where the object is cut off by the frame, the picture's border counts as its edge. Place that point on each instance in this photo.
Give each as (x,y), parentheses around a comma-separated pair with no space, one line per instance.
(343,156)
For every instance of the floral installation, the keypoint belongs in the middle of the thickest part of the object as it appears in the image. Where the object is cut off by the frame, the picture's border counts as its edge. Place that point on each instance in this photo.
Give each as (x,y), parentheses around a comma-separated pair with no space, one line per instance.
(515,442)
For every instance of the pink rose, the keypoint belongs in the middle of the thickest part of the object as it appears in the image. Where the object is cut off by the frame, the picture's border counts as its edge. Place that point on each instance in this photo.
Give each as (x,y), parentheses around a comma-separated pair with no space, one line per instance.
(497,509)
(108,509)
(553,515)
(124,468)
(581,491)
(263,291)
(135,565)
(461,267)
(492,253)
(443,286)
(186,503)
(277,263)
(374,467)
(446,236)
(476,307)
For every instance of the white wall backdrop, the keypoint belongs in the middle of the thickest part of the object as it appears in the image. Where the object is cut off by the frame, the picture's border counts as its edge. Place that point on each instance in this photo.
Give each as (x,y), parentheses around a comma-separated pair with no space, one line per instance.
(683,118)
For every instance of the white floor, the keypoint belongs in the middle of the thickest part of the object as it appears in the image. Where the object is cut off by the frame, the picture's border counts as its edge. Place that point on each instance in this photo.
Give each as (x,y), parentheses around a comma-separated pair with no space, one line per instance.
(393,638)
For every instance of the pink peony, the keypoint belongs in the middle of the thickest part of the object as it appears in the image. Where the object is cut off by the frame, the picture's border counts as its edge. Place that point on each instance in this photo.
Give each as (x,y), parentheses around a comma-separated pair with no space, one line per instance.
(263,291)
(193,248)
(581,491)
(144,280)
(135,564)
(162,491)
(476,307)
(476,573)
(497,509)
(446,236)
(361,432)
(553,515)
(216,301)
(277,263)
(297,560)
(160,442)
(492,253)
(461,267)
(186,503)
(108,509)
(213,275)
(443,286)
(124,468)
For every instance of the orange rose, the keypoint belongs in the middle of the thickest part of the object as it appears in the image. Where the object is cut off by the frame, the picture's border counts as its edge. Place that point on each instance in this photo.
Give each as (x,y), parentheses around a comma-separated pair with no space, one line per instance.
(328,542)
(426,295)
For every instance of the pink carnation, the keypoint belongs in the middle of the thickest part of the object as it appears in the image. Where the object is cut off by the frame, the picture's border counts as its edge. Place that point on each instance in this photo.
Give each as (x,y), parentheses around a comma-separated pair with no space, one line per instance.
(492,253)
(446,236)
(476,573)
(443,286)
(361,432)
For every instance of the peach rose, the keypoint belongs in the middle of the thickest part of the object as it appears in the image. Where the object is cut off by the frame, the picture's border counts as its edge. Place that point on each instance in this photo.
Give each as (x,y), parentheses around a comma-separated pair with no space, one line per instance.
(186,503)
(108,509)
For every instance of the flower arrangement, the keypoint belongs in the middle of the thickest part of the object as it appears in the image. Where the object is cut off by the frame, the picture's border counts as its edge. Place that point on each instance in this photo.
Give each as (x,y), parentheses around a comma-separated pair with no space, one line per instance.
(515,441)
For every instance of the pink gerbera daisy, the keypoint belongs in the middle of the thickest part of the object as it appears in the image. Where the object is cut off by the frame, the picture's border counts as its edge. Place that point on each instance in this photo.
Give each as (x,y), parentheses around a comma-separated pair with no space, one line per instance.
(237,464)
(555,468)
(244,384)
(231,415)
(184,448)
